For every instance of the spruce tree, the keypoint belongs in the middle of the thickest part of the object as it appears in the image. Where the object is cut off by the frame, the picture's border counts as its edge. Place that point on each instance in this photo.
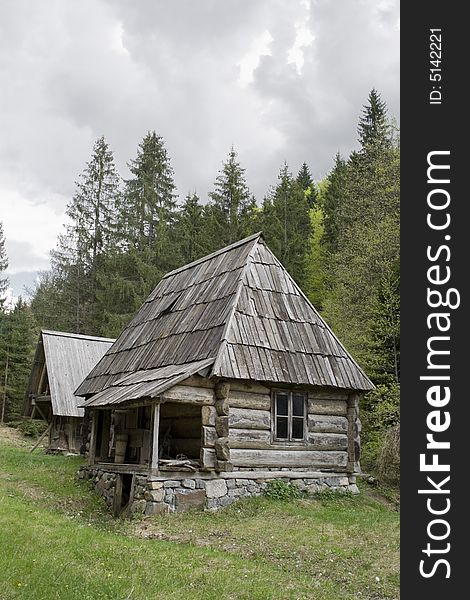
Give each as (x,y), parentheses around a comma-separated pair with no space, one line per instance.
(305,181)
(374,126)
(286,224)
(232,208)
(191,230)
(332,200)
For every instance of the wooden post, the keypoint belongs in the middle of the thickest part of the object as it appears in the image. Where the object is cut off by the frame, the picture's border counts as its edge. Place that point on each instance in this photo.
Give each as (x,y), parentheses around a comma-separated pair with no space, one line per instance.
(354,430)
(94,425)
(155,426)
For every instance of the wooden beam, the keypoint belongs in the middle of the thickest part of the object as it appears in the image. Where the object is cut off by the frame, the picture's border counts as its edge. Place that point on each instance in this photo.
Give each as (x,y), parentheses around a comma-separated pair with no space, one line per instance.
(42,437)
(94,426)
(155,427)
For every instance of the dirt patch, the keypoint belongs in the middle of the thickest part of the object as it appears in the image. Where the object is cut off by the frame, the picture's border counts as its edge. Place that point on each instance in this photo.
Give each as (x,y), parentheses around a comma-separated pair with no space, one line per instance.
(13,437)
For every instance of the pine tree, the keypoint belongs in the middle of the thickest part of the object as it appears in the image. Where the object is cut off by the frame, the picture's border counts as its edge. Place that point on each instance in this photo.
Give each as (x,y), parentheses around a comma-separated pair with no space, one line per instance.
(286,224)
(332,200)
(231,211)
(305,181)
(3,267)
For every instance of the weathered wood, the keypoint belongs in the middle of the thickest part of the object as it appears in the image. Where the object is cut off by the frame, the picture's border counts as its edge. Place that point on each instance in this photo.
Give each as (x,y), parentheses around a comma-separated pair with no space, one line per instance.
(190,394)
(288,458)
(222,448)
(242,418)
(327,424)
(240,437)
(94,426)
(326,407)
(249,387)
(222,407)
(209,436)
(329,394)
(222,390)
(354,430)
(155,428)
(198,381)
(328,441)
(221,426)
(250,400)
(208,458)
(208,415)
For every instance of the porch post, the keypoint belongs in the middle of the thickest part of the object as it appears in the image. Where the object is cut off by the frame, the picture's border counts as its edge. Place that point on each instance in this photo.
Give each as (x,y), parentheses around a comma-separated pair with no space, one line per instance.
(155,426)
(92,450)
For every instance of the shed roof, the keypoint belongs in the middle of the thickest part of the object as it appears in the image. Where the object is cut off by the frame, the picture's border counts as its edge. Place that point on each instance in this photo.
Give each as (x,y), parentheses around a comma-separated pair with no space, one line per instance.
(237,310)
(68,357)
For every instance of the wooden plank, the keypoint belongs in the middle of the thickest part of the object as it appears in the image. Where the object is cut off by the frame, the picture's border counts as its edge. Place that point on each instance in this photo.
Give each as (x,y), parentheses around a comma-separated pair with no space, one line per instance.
(244,418)
(288,458)
(155,428)
(326,407)
(327,424)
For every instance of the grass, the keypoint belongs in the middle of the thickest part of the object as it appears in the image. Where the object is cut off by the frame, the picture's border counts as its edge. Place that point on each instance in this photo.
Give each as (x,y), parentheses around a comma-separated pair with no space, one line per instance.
(58,541)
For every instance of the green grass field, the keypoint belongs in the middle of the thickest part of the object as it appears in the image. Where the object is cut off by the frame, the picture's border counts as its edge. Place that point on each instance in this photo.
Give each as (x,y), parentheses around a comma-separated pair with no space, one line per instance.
(58,541)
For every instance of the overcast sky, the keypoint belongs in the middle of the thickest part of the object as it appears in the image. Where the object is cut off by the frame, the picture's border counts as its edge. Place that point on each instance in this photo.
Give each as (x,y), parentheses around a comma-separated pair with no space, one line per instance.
(278,79)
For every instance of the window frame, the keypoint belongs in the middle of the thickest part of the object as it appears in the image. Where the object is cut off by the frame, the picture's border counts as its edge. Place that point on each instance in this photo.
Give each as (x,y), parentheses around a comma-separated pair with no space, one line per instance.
(289,439)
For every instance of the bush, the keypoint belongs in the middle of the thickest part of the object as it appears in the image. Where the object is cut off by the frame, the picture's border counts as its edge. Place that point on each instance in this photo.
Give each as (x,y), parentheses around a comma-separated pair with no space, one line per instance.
(388,460)
(280,490)
(29,427)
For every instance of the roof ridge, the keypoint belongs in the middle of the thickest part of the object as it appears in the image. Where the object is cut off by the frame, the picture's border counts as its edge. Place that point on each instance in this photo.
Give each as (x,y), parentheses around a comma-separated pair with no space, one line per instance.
(76,335)
(214,254)
(228,324)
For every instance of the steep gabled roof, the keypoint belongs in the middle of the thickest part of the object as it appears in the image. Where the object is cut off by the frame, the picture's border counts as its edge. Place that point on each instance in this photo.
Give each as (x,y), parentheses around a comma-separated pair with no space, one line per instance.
(238,310)
(68,358)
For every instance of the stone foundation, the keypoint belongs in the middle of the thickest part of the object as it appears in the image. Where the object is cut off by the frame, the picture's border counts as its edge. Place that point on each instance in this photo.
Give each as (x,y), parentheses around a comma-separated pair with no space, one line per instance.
(157,495)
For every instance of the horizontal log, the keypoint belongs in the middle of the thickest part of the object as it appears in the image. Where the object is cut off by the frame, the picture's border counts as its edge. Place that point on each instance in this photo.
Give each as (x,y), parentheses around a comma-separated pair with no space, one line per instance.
(208,415)
(240,437)
(326,407)
(328,441)
(332,394)
(190,394)
(244,418)
(198,381)
(250,400)
(327,424)
(253,388)
(288,458)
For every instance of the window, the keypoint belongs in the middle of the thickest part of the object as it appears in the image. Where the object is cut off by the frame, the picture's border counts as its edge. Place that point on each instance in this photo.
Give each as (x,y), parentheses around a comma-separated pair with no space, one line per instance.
(289,416)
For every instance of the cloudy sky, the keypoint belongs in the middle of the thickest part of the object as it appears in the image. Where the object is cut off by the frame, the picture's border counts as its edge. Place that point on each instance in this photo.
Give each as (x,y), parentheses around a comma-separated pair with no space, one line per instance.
(278,79)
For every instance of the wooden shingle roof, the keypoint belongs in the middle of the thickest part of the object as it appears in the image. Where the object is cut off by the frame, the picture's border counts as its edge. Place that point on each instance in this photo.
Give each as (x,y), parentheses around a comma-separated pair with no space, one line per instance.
(236,310)
(68,358)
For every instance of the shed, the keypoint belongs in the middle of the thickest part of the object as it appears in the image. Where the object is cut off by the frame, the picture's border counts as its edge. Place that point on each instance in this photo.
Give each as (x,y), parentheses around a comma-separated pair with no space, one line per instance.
(226,378)
(61,362)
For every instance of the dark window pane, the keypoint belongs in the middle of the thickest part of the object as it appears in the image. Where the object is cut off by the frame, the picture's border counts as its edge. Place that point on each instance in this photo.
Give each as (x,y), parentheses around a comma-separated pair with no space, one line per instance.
(298,404)
(281,402)
(297,429)
(281,427)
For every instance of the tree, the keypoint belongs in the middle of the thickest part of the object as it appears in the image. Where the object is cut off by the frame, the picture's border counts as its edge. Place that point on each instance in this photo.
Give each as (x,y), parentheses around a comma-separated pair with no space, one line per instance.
(149,210)
(231,211)
(90,233)
(286,224)
(191,234)
(3,267)
(305,181)
(332,200)
(374,126)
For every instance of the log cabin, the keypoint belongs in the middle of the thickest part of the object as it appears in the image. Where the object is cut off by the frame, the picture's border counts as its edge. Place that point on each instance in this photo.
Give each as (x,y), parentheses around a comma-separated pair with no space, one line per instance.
(227,378)
(61,362)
